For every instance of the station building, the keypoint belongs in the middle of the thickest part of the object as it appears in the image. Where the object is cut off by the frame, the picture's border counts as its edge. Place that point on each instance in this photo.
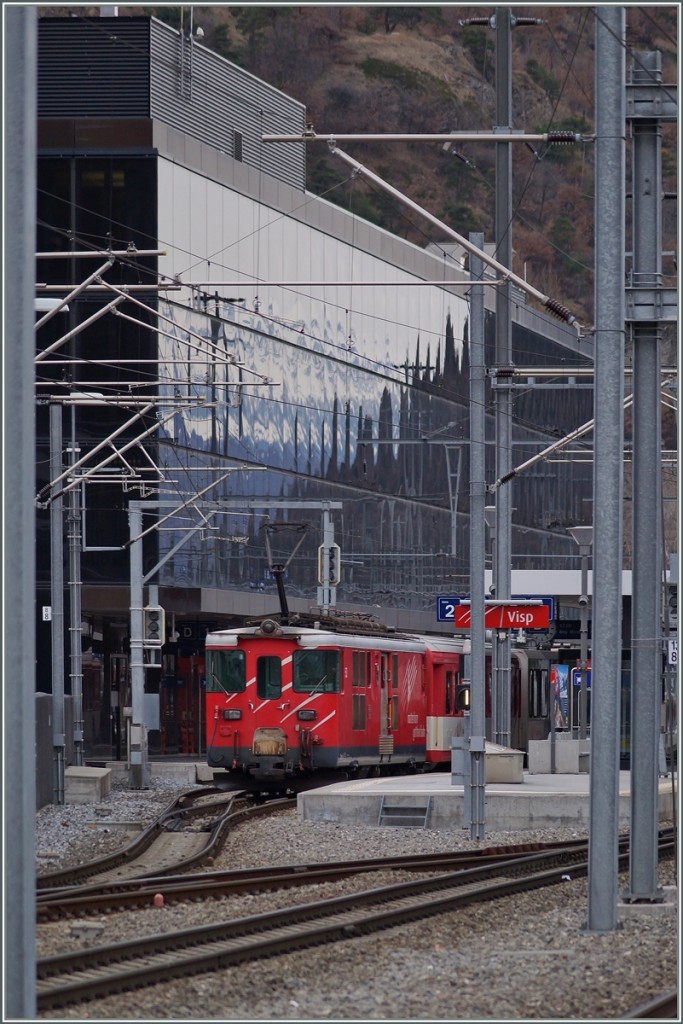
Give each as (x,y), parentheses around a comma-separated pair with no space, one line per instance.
(277,376)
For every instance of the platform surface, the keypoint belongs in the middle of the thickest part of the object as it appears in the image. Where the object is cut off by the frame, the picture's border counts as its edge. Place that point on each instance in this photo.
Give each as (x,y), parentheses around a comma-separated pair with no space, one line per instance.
(539,801)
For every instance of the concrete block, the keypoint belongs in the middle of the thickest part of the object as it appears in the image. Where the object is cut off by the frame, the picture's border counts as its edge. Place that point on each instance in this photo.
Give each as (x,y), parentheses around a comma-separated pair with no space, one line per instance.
(503,764)
(204,773)
(539,757)
(571,756)
(84,785)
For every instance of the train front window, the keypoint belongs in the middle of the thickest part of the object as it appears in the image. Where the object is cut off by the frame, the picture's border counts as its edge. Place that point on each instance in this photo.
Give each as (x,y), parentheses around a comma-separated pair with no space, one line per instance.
(316,672)
(225,671)
(268,678)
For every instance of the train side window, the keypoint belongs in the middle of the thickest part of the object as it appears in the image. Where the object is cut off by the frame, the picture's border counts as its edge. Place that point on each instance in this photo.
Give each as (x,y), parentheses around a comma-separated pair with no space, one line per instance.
(539,692)
(316,672)
(225,670)
(448,709)
(360,668)
(358,705)
(394,712)
(268,678)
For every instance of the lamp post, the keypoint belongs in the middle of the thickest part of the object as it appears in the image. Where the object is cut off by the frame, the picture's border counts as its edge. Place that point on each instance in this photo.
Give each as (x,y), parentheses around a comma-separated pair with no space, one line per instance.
(583,535)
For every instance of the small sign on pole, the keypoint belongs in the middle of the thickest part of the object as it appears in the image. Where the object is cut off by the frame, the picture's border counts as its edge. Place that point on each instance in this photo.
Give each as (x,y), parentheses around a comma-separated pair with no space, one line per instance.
(47,613)
(672,652)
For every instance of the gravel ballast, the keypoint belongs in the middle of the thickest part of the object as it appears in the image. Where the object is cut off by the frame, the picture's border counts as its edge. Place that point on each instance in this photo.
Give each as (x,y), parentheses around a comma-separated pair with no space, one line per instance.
(521,957)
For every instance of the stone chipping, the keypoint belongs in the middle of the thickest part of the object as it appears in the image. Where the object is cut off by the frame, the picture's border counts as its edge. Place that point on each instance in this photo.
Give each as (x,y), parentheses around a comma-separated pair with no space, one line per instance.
(523,957)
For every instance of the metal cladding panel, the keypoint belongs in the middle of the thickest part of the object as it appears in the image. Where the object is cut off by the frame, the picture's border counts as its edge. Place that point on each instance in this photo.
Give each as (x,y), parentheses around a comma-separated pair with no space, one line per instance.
(93,67)
(208,98)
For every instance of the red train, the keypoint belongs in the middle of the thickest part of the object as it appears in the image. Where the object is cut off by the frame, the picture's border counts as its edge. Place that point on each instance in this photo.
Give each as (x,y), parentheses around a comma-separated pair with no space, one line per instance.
(286,702)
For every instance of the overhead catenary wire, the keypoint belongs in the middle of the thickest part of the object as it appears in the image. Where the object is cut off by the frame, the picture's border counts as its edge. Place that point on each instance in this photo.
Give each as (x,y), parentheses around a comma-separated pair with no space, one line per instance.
(552,305)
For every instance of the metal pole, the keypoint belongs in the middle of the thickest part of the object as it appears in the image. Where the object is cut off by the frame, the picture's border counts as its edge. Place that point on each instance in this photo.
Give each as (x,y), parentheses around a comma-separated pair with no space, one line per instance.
(583,536)
(503,357)
(57,602)
(608,481)
(75,626)
(490,516)
(327,594)
(646,663)
(583,692)
(139,768)
(477,550)
(19,435)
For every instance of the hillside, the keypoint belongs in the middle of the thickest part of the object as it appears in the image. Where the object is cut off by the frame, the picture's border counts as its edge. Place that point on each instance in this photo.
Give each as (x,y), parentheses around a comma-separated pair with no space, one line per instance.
(419,69)
(425,69)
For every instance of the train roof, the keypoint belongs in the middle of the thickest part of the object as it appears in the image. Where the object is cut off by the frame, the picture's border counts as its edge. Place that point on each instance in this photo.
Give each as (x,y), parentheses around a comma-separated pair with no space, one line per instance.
(310,636)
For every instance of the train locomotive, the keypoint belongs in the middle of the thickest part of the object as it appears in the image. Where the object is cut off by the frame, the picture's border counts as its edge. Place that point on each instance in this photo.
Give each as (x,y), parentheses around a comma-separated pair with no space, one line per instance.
(293,703)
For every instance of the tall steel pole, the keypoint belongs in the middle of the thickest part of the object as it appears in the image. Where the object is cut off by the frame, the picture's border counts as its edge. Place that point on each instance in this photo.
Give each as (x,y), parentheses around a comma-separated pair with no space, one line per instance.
(75,605)
(138,763)
(503,357)
(19,577)
(583,535)
(608,476)
(646,663)
(57,602)
(477,741)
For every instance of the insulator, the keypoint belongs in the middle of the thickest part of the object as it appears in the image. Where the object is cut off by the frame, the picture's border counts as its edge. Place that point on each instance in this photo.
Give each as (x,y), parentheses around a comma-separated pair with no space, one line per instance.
(560,311)
(562,137)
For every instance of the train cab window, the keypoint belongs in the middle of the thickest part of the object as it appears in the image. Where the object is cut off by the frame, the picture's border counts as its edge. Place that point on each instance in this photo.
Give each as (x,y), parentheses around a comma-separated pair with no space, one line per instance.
(225,670)
(268,678)
(316,672)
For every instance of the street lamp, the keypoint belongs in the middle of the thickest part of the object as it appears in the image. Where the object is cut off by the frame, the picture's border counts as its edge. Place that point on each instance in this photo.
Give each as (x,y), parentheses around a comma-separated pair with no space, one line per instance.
(583,536)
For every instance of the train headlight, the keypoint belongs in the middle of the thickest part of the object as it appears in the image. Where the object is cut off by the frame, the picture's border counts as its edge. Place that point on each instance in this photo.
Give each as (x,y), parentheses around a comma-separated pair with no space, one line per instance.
(232,714)
(307,715)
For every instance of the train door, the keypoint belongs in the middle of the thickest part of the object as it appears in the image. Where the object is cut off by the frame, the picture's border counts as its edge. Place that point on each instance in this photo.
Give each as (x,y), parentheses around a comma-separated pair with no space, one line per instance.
(388,705)
(120,698)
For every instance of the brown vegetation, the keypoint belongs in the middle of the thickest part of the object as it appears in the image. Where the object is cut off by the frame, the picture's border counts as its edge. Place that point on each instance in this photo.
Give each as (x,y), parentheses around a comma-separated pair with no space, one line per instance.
(426,69)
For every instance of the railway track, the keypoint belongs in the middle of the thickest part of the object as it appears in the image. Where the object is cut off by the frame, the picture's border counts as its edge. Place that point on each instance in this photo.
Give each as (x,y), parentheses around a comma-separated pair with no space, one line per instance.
(664,1007)
(118,894)
(72,978)
(190,830)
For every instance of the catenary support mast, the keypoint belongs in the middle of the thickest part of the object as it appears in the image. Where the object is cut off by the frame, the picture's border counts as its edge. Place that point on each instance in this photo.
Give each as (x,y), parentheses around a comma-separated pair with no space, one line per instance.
(608,471)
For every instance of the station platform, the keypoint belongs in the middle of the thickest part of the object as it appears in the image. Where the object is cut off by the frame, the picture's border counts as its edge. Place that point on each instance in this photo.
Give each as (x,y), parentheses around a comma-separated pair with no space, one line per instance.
(434,801)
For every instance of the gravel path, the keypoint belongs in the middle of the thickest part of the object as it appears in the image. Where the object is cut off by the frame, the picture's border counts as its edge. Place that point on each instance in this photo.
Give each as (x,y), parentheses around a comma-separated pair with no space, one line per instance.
(523,958)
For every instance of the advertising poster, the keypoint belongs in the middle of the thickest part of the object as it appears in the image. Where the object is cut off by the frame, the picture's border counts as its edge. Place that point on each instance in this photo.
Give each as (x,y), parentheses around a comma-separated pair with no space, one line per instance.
(559,680)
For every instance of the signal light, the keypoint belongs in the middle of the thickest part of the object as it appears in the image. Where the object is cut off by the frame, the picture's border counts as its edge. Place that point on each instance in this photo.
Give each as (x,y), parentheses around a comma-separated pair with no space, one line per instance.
(334,559)
(155,627)
(329,574)
(672,605)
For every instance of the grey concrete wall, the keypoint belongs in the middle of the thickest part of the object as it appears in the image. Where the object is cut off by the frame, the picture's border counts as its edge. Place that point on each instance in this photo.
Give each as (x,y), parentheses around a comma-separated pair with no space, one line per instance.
(44,746)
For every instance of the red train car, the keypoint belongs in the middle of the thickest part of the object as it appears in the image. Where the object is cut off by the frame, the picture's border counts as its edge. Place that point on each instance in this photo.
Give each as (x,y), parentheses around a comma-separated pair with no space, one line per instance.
(286,702)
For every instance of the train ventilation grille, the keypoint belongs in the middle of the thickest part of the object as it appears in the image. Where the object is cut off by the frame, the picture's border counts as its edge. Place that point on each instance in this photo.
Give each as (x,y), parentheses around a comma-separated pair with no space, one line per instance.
(405,816)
